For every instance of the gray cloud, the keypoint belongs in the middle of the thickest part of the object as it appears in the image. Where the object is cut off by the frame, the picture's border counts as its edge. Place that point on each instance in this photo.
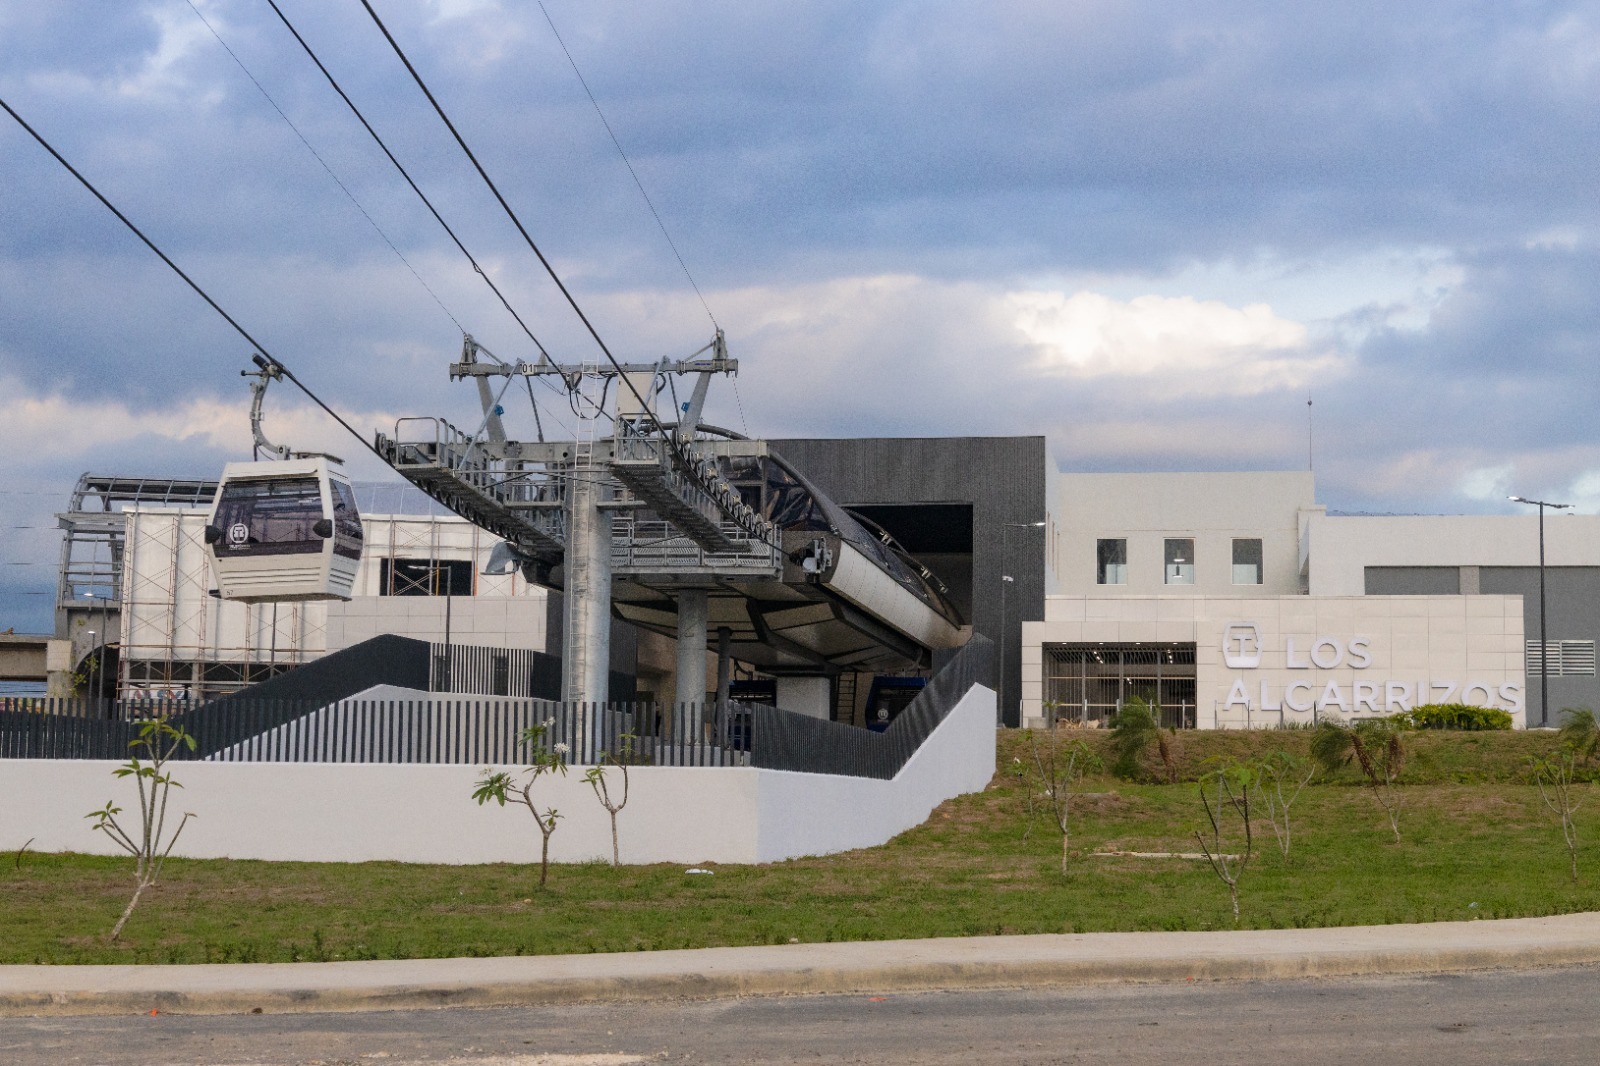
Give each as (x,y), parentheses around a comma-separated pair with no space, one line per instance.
(857,188)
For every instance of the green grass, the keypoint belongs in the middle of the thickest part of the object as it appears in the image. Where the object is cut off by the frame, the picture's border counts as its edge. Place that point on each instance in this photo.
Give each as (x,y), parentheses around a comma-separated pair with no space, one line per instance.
(1482,850)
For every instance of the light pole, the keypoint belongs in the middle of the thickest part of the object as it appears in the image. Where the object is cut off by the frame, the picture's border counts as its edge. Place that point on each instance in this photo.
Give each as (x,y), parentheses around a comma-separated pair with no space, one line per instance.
(1006,579)
(1544,644)
(1000,704)
(89,682)
(96,679)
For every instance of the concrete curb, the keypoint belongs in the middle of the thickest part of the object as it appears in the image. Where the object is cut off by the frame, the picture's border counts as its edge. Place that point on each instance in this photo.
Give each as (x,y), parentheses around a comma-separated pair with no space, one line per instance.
(885,966)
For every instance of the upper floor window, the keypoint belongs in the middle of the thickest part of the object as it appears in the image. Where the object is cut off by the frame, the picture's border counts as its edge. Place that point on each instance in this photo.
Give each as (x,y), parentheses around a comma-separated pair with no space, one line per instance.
(1180,561)
(425,577)
(1247,562)
(1111,562)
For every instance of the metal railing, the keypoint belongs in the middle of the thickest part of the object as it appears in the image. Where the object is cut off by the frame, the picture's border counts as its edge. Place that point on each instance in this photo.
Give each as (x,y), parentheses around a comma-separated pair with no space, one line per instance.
(490,728)
(457,731)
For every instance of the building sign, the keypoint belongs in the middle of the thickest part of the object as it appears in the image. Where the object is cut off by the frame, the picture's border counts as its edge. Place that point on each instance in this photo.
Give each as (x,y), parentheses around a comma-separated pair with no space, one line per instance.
(1360,694)
(1241,646)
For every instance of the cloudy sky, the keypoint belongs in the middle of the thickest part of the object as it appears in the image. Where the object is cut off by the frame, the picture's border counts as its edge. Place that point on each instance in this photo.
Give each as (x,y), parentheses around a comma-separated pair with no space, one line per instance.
(1148,231)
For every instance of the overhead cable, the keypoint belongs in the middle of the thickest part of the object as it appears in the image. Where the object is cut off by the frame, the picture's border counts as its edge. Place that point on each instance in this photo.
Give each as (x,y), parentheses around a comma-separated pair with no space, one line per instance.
(406,175)
(512,215)
(629,164)
(137,232)
(318,156)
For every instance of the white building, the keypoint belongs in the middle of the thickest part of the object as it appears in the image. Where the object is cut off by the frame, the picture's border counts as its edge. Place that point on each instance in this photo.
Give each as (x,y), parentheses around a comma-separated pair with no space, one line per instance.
(1235,600)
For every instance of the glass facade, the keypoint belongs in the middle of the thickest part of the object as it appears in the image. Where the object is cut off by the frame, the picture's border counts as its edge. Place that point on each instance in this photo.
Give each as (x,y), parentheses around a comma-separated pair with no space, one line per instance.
(1086,683)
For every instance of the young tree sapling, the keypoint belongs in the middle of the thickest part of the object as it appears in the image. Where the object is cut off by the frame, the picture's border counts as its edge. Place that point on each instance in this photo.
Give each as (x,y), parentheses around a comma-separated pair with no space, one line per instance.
(596,779)
(159,741)
(1232,785)
(1280,779)
(497,785)
(1060,768)
(1554,774)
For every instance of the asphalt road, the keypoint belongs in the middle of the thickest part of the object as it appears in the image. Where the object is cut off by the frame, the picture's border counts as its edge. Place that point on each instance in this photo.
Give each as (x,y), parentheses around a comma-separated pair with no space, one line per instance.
(1538,1016)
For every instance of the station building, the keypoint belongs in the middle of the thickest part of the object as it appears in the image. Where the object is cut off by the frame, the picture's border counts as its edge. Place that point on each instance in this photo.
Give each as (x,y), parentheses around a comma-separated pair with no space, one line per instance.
(1236,600)
(1231,600)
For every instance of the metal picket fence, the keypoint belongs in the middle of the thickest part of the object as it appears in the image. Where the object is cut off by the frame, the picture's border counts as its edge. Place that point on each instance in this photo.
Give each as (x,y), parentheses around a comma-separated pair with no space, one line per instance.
(479,731)
(490,729)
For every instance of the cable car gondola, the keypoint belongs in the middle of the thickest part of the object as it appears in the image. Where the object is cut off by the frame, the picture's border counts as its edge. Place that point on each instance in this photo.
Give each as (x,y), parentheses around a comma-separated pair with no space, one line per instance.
(284,530)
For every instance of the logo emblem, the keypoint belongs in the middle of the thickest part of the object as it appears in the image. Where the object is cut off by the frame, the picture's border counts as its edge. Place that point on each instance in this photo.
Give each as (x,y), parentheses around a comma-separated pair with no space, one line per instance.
(238,535)
(1241,646)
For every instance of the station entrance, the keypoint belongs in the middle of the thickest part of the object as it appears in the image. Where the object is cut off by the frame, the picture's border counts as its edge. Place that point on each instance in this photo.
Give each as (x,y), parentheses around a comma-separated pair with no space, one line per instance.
(1087,683)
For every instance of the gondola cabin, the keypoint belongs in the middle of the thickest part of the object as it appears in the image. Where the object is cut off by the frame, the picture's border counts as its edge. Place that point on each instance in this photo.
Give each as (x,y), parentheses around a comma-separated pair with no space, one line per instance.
(284,530)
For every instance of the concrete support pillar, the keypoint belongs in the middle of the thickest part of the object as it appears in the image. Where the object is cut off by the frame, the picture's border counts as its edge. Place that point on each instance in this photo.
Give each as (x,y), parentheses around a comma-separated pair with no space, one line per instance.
(692,612)
(586,641)
(724,666)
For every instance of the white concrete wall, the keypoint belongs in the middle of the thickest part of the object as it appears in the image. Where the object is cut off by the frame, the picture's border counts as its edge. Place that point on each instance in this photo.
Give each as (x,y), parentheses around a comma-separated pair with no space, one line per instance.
(816,814)
(490,621)
(1343,546)
(1416,641)
(356,812)
(1212,509)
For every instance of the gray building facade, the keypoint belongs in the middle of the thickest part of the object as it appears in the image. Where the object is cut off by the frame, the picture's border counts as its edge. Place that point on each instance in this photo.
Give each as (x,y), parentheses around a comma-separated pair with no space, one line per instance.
(972,509)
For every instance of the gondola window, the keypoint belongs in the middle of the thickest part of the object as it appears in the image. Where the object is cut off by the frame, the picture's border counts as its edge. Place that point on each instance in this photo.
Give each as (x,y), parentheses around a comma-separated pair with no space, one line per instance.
(271,517)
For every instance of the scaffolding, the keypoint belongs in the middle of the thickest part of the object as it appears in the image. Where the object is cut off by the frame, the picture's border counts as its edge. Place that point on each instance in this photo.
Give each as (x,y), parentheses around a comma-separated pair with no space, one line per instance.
(135,586)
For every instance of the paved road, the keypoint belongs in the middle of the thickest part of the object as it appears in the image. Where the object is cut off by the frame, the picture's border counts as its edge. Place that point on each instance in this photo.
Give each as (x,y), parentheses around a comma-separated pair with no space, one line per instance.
(1536,1016)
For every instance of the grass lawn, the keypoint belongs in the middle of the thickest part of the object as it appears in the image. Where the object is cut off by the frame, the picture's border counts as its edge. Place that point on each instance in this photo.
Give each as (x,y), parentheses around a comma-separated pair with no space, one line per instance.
(1477,843)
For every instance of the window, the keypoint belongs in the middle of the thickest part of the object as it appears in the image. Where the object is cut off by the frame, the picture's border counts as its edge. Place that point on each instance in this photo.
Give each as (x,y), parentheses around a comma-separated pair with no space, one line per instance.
(271,516)
(1110,562)
(347,535)
(422,577)
(1180,562)
(1247,562)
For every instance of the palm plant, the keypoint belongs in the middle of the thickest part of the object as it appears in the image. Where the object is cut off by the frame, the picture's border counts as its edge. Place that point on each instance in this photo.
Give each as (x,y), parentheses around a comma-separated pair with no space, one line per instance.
(1581,732)
(1377,746)
(1135,729)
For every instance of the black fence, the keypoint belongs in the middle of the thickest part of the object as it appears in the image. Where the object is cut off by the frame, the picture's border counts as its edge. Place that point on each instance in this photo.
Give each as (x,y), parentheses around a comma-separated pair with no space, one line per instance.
(483,730)
(390,731)
(784,741)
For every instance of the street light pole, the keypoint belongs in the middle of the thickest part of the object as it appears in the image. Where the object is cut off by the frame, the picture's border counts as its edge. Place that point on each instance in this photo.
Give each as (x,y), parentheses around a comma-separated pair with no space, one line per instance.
(1544,643)
(89,682)
(1000,705)
(1006,579)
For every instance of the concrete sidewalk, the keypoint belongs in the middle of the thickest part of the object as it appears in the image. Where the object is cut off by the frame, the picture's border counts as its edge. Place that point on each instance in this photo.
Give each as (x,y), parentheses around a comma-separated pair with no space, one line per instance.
(884,966)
